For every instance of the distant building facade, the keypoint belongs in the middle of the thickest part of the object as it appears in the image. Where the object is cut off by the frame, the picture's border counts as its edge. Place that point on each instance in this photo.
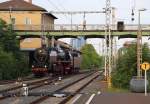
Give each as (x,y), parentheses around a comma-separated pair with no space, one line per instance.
(20,13)
(77,43)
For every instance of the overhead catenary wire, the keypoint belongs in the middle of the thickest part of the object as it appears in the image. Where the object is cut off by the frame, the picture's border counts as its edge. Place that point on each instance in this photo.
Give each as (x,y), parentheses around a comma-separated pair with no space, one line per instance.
(55,6)
(71,13)
(63,8)
(76,12)
(50,2)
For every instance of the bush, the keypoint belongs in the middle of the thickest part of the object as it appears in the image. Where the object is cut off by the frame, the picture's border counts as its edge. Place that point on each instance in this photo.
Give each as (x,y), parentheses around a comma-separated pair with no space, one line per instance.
(127,65)
(7,65)
(10,67)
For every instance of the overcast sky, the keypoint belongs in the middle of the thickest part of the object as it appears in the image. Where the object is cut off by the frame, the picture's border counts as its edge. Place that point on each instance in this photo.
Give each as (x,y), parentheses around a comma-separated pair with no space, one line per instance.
(123,12)
(123,9)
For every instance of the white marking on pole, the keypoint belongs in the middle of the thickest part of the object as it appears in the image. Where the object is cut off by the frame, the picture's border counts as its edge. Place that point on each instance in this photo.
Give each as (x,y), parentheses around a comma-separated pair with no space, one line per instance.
(78,96)
(90,99)
(145,83)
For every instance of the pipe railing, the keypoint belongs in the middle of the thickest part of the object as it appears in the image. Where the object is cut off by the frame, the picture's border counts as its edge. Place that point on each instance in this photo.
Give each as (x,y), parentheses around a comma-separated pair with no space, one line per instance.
(76,27)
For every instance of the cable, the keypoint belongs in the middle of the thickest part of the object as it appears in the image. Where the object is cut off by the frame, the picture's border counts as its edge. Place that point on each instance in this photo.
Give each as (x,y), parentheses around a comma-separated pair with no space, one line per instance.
(61,6)
(63,10)
(55,6)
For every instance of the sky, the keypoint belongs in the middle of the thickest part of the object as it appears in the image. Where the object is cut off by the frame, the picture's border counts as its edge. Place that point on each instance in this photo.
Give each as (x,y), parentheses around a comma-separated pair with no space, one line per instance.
(123,12)
(123,9)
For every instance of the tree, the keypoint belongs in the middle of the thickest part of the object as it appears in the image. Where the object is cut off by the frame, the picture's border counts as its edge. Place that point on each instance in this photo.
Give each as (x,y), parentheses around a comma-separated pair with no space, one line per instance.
(90,57)
(13,63)
(8,39)
(127,65)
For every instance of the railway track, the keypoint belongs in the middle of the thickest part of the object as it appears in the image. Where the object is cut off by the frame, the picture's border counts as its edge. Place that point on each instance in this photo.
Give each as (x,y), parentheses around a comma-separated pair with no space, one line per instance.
(70,90)
(3,82)
(28,83)
(15,91)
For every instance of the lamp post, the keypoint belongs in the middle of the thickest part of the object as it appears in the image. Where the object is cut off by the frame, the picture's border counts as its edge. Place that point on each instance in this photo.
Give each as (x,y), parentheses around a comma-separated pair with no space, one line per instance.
(139,44)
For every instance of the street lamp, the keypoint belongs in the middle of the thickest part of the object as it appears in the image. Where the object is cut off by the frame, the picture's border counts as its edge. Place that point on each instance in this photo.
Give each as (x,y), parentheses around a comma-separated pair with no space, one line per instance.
(139,43)
(139,17)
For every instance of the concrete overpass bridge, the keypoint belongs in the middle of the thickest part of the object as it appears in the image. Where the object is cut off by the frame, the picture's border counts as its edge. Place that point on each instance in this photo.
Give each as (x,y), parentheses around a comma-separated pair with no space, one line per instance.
(74,30)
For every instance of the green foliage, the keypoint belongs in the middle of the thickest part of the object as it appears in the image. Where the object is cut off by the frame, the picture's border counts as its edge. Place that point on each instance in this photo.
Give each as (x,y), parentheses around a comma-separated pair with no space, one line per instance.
(7,64)
(13,63)
(127,65)
(90,57)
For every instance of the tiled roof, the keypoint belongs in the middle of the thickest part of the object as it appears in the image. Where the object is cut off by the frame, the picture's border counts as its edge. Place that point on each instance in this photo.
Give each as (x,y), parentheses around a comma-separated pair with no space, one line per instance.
(19,5)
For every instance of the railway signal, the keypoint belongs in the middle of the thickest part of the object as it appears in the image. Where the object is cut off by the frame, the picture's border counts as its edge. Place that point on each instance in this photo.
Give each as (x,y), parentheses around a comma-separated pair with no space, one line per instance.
(145,66)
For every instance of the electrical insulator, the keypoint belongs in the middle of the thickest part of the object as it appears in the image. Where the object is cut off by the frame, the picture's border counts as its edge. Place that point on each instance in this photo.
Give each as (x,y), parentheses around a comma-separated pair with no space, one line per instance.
(132,13)
(132,19)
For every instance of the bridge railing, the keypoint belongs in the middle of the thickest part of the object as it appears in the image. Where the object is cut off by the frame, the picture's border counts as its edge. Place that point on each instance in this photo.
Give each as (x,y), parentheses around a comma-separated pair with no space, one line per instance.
(74,27)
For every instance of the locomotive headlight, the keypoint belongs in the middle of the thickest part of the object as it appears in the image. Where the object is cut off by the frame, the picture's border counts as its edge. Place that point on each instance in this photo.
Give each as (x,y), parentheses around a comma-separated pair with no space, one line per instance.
(40,51)
(32,66)
(45,66)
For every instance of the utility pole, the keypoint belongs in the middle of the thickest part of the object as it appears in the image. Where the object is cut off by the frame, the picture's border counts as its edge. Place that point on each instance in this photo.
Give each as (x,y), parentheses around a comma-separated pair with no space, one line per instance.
(139,47)
(113,17)
(104,57)
(71,21)
(115,53)
(10,10)
(10,16)
(108,59)
(113,41)
(139,44)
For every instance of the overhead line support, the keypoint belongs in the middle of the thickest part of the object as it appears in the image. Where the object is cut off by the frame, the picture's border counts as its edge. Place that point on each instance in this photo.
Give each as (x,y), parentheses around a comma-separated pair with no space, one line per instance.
(108,39)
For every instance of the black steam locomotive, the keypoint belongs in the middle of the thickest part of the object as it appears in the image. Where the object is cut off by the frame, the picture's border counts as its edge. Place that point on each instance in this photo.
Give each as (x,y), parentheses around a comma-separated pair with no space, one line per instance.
(60,60)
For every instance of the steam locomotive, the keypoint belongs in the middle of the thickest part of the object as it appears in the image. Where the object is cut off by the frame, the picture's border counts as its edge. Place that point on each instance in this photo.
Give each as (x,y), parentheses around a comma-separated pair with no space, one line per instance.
(58,60)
